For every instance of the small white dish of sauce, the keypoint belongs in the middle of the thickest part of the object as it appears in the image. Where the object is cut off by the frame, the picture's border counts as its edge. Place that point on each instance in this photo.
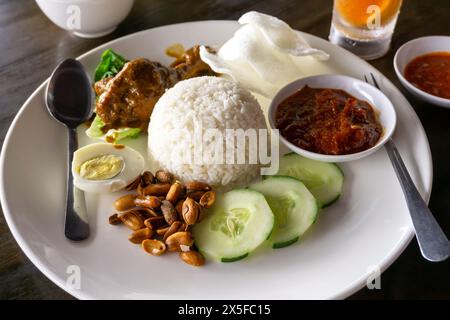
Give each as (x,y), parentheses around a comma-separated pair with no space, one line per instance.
(355,89)
(423,67)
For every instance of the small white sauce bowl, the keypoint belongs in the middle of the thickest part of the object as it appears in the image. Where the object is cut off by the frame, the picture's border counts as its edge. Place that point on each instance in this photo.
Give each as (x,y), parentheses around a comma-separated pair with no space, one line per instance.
(415,48)
(86,18)
(358,89)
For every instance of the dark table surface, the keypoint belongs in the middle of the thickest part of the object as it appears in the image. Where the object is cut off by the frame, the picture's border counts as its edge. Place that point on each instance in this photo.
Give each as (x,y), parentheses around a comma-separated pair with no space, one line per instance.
(31,46)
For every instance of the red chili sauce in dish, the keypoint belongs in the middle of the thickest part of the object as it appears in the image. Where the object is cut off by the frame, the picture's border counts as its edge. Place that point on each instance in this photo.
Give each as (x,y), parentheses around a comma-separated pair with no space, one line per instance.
(328,121)
(431,73)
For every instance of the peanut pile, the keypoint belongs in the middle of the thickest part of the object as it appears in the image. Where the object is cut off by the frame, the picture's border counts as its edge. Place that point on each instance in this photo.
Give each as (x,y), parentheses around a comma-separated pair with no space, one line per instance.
(161,212)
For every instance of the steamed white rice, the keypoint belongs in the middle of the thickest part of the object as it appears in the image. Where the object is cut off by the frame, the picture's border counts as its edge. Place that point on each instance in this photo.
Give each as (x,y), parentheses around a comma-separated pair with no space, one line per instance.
(204,102)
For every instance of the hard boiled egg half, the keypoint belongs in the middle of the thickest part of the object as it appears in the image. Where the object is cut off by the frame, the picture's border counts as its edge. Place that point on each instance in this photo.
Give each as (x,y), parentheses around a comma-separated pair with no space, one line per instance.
(105,167)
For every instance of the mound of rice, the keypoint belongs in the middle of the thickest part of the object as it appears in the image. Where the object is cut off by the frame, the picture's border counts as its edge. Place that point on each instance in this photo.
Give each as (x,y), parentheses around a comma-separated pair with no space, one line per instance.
(193,106)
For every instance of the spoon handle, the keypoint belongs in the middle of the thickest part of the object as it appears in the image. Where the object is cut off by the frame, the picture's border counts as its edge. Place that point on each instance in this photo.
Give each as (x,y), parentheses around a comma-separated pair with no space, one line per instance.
(433,243)
(76,225)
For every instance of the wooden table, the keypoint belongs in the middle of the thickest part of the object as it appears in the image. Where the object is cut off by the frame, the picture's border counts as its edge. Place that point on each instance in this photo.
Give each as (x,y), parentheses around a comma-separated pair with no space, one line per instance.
(31,46)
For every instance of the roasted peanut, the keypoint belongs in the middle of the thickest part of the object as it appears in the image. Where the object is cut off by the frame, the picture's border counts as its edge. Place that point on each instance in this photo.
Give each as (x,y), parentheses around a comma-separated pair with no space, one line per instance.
(114,219)
(196,195)
(179,209)
(140,235)
(148,212)
(198,186)
(132,220)
(159,189)
(154,222)
(140,189)
(178,239)
(162,231)
(164,176)
(151,202)
(125,202)
(208,199)
(174,192)
(201,213)
(174,227)
(162,211)
(194,258)
(140,213)
(134,184)
(183,192)
(169,212)
(190,211)
(153,247)
(147,178)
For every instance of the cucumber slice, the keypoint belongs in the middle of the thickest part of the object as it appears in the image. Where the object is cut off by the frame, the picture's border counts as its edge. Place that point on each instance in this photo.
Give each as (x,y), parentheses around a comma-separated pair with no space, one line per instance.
(294,207)
(323,179)
(239,221)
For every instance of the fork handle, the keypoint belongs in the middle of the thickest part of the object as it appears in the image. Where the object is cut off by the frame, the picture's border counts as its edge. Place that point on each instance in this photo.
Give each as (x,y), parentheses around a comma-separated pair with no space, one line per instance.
(433,243)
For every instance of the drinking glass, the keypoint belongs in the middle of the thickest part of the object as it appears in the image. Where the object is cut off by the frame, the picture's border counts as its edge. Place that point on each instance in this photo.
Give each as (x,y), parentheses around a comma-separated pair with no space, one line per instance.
(364,27)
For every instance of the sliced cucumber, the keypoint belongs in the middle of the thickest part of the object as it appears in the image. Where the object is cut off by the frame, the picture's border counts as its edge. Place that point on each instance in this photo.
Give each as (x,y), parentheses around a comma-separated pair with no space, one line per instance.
(239,222)
(294,207)
(323,179)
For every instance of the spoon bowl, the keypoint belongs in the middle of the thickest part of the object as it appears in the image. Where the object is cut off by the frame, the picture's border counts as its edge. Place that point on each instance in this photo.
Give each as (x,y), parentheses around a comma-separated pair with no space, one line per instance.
(69,94)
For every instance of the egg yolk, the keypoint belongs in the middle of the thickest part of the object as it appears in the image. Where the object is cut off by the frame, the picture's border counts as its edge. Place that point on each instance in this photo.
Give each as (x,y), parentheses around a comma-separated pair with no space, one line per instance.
(102,167)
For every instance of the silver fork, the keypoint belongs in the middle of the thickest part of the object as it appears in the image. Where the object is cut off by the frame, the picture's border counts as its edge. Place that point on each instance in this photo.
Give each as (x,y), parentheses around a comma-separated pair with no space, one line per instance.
(433,243)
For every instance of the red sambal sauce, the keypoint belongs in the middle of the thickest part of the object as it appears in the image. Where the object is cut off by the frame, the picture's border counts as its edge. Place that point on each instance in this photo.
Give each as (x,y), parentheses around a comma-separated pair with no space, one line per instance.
(328,121)
(431,73)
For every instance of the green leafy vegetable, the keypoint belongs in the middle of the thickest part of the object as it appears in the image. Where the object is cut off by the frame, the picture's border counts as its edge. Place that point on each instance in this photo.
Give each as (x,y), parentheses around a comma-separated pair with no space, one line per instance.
(95,131)
(111,63)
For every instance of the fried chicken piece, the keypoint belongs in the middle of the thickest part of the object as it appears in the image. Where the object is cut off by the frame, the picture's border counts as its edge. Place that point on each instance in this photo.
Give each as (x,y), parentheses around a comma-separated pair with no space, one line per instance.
(100,86)
(127,100)
(190,65)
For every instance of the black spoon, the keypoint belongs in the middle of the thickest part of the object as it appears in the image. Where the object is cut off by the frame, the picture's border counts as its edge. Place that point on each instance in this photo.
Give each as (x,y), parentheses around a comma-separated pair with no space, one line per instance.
(69,101)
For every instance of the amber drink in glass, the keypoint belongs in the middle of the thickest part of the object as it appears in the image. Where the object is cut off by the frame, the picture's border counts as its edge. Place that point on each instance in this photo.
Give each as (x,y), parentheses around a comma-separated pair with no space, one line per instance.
(364,27)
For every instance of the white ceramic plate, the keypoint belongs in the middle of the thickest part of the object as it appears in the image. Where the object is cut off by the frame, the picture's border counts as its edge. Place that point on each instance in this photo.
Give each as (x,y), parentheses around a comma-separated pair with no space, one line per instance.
(369,226)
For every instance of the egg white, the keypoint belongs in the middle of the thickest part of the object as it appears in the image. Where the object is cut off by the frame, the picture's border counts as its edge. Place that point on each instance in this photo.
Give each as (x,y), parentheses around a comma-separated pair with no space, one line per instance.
(134,164)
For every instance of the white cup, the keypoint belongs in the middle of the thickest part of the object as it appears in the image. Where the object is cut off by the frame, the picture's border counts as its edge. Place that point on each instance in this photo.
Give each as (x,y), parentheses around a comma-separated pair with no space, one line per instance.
(86,18)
